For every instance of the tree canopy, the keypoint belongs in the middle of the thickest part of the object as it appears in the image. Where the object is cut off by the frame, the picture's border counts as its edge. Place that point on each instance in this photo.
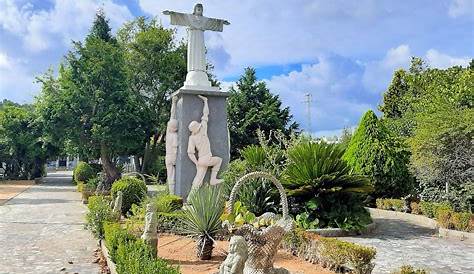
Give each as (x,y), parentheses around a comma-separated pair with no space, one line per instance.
(251,106)
(373,152)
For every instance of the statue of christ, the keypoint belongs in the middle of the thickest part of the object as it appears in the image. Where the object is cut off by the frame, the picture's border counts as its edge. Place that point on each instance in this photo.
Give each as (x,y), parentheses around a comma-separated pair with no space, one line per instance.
(196,24)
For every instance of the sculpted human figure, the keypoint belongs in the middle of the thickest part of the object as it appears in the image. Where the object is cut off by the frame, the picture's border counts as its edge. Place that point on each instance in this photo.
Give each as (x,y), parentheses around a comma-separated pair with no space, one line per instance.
(235,261)
(197,24)
(200,141)
(171,146)
(150,233)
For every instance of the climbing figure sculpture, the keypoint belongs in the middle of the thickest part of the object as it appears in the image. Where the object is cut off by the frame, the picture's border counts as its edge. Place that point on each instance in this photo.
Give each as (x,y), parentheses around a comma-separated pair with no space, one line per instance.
(171,146)
(200,141)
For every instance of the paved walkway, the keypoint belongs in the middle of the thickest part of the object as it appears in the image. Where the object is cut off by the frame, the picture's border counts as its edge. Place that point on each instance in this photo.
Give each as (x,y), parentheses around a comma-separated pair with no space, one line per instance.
(42,231)
(398,243)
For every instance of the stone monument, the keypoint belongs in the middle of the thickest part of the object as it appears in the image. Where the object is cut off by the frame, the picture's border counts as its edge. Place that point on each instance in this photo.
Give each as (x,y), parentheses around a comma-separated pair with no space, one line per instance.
(190,109)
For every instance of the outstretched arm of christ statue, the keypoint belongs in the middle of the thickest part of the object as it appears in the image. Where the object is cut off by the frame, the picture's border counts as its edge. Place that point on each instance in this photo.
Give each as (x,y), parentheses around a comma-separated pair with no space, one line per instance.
(205,115)
(177,18)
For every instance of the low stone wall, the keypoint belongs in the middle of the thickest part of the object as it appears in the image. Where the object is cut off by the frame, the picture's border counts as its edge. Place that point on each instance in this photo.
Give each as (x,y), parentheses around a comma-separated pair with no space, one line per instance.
(455,234)
(110,263)
(419,220)
(424,221)
(337,232)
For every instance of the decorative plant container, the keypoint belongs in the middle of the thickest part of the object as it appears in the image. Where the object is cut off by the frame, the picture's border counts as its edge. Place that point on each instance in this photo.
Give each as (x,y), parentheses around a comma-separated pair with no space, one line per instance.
(262,243)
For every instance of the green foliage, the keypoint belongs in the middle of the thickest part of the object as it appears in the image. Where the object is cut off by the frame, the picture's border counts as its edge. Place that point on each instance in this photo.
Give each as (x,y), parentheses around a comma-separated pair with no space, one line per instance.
(408,269)
(443,217)
(22,147)
(83,172)
(239,216)
(251,106)
(375,153)
(303,221)
(115,235)
(463,221)
(415,208)
(320,183)
(390,204)
(136,257)
(432,110)
(167,203)
(134,191)
(99,213)
(429,209)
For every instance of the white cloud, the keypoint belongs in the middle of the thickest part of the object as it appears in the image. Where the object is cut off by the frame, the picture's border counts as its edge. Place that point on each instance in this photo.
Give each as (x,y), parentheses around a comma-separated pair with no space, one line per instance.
(16,83)
(378,73)
(338,97)
(67,20)
(437,59)
(461,8)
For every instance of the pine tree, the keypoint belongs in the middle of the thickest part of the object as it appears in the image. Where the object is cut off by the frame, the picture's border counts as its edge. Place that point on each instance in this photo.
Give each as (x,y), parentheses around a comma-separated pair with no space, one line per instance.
(373,152)
(251,106)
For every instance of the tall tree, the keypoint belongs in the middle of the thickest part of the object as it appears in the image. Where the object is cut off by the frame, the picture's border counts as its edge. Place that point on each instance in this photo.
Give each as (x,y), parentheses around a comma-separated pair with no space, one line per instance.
(91,102)
(373,152)
(156,67)
(252,106)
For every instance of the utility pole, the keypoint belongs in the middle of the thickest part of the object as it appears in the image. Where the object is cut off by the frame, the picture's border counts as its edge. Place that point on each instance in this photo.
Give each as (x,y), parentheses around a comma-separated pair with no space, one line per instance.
(308,100)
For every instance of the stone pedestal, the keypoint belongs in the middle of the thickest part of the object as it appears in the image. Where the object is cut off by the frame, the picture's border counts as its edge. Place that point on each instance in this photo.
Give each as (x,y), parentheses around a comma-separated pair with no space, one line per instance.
(189,108)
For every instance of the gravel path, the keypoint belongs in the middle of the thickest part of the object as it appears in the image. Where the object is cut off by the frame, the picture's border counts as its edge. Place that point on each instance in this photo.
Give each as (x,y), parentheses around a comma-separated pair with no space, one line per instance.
(42,231)
(398,243)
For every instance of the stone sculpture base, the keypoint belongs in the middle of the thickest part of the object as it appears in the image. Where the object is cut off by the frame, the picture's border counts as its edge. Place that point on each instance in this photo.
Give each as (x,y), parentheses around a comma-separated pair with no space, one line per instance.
(189,108)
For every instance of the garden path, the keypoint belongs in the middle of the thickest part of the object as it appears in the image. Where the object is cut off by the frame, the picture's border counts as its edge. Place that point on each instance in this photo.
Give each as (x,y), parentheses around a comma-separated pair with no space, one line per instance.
(42,230)
(399,242)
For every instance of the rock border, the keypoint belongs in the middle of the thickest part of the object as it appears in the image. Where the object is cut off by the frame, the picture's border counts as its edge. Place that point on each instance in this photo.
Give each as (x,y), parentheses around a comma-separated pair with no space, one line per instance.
(423,221)
(338,232)
(105,252)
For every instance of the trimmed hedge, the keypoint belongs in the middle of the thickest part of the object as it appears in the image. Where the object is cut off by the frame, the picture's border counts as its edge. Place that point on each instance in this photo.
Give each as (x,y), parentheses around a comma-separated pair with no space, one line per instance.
(391,204)
(408,269)
(133,189)
(429,209)
(84,172)
(132,255)
(330,252)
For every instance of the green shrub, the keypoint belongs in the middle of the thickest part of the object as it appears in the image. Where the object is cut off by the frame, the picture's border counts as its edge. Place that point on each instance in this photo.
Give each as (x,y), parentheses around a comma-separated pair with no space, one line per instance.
(136,257)
(390,204)
(167,203)
(170,222)
(398,205)
(133,189)
(83,172)
(462,221)
(408,269)
(337,253)
(429,209)
(99,213)
(330,252)
(415,208)
(115,235)
(443,217)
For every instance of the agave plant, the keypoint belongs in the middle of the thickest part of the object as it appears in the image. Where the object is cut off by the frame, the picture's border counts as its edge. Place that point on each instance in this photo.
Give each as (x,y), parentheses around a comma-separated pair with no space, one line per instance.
(201,218)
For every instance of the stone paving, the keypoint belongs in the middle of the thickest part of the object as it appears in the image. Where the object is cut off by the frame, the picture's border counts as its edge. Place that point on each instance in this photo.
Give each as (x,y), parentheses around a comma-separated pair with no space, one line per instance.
(42,231)
(399,242)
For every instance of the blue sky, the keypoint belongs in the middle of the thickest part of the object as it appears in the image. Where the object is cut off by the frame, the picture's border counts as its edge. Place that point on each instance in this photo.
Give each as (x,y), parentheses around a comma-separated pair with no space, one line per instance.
(343,51)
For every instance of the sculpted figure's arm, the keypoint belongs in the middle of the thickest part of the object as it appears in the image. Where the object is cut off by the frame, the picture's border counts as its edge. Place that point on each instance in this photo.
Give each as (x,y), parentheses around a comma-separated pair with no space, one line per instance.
(177,18)
(174,100)
(215,24)
(205,114)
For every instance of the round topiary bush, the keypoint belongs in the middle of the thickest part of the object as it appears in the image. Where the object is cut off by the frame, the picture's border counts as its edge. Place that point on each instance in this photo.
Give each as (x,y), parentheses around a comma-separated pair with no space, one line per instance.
(133,189)
(84,172)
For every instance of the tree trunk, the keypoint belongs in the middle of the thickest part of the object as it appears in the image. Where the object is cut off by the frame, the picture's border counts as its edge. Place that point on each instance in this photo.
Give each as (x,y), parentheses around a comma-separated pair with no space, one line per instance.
(111,171)
(204,248)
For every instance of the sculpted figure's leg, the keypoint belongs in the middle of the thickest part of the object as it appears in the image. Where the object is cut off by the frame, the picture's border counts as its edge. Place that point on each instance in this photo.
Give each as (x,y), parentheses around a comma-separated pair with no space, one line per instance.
(216,163)
(198,179)
(170,172)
